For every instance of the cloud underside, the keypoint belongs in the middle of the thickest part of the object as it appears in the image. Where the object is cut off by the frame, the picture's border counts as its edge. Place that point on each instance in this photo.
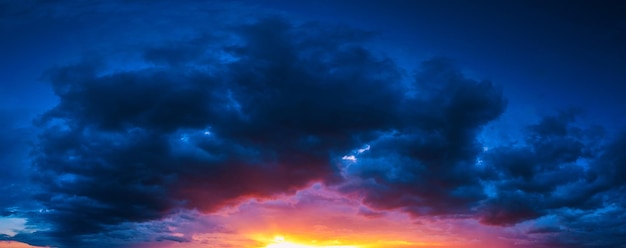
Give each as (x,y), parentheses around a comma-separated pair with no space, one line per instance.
(270,107)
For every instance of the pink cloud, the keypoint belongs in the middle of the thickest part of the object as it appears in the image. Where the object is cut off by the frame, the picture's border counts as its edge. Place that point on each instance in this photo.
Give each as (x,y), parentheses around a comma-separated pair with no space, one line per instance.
(15,244)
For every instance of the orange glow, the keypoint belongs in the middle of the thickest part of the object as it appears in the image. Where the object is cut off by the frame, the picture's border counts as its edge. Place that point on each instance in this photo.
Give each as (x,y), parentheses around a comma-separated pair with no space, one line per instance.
(294,245)
(299,242)
(280,242)
(318,218)
(15,244)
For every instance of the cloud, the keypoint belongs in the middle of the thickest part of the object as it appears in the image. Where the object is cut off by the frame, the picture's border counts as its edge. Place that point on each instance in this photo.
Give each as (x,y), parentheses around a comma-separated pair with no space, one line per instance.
(543,174)
(136,145)
(370,213)
(268,110)
(566,173)
(426,166)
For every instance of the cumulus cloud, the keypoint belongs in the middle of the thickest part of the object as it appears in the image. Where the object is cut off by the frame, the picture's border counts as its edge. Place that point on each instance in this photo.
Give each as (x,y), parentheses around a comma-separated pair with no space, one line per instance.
(565,172)
(426,165)
(135,145)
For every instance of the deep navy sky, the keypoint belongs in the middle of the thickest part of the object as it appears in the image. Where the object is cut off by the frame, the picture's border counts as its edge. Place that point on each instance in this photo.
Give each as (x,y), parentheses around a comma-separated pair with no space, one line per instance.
(94,96)
(545,53)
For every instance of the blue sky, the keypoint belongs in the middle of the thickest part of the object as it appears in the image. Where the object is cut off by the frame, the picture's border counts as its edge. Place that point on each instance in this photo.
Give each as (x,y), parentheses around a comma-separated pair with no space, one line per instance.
(508,115)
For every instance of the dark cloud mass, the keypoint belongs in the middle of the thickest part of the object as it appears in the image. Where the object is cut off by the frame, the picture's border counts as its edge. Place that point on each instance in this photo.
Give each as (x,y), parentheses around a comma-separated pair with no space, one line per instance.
(132,146)
(266,106)
(543,174)
(427,165)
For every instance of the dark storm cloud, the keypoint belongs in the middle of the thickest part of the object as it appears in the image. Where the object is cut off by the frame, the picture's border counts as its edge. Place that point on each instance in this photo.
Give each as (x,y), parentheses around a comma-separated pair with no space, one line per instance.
(604,227)
(427,166)
(267,111)
(564,168)
(543,174)
(564,171)
(133,146)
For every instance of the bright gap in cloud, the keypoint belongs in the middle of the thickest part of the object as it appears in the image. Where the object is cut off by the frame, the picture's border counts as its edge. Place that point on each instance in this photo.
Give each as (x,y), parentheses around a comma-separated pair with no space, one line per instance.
(365,148)
(349,158)
(352,157)
(10,225)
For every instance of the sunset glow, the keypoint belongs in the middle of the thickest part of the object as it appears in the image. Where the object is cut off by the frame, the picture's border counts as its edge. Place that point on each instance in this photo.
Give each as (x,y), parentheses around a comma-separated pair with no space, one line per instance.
(280,242)
(12,244)
(294,245)
(319,217)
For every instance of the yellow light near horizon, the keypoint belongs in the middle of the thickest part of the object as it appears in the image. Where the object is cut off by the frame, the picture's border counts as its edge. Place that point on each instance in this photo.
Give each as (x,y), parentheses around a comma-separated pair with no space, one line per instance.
(294,245)
(279,242)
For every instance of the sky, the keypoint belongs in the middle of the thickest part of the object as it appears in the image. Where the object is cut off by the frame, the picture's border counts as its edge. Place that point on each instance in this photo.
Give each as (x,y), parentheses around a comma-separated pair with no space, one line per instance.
(303,124)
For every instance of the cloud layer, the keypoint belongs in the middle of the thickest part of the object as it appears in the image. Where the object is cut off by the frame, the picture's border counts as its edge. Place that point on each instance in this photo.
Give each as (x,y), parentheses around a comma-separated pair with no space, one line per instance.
(269,106)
